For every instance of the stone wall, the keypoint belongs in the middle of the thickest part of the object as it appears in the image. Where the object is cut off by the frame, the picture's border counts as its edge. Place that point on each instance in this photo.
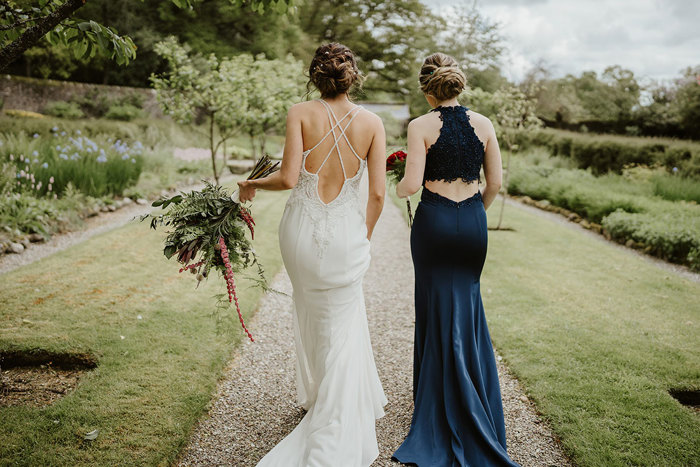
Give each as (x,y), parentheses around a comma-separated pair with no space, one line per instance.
(33,94)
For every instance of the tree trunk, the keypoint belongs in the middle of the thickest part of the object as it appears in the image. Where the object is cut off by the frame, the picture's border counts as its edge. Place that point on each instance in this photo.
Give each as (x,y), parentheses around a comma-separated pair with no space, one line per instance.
(252,146)
(505,183)
(263,140)
(223,163)
(31,36)
(212,147)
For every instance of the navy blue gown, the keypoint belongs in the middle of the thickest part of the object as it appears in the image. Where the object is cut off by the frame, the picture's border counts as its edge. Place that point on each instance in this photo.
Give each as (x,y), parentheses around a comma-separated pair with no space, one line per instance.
(458,414)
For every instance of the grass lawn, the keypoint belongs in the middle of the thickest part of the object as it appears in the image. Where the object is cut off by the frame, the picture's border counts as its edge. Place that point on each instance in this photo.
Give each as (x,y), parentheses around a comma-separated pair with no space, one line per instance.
(151,386)
(598,337)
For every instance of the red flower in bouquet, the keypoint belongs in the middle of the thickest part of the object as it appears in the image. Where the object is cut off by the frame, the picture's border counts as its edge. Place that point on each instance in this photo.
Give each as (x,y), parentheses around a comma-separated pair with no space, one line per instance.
(396,169)
(396,162)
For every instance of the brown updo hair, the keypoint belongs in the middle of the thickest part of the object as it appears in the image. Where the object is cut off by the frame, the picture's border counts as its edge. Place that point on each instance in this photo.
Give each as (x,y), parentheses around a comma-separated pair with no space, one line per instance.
(441,77)
(333,70)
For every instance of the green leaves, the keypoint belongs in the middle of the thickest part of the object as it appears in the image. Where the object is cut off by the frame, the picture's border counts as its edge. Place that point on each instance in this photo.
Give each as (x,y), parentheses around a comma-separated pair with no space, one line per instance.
(165,202)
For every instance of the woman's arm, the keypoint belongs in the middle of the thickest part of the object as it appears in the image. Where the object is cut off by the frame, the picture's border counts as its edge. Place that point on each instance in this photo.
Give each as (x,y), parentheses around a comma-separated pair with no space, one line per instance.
(288,175)
(376,168)
(415,162)
(493,169)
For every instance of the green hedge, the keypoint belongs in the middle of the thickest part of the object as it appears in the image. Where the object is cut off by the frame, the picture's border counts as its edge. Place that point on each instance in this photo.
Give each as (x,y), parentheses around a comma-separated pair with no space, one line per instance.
(669,230)
(611,153)
(673,235)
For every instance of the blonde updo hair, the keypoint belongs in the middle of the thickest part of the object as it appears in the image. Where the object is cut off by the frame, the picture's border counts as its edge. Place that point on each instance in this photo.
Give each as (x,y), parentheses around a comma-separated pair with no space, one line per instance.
(441,77)
(333,70)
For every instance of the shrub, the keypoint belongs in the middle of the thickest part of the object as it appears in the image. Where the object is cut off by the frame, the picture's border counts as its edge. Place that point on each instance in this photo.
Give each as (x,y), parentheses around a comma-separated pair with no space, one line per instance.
(611,153)
(24,213)
(62,109)
(630,206)
(575,190)
(675,188)
(45,166)
(126,112)
(673,235)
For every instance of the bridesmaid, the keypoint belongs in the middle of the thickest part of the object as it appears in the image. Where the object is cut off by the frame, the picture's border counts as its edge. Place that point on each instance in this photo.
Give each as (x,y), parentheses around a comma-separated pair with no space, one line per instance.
(458,415)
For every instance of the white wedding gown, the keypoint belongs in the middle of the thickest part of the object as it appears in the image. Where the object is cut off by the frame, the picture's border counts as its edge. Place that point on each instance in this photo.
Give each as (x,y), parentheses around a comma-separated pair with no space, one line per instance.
(326,253)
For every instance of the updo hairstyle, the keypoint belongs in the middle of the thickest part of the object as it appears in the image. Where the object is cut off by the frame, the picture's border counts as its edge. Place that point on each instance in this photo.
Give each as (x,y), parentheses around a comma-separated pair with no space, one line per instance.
(441,77)
(333,70)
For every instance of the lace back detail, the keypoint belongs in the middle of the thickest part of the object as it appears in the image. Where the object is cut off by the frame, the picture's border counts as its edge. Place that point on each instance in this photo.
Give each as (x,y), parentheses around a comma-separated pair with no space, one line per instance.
(458,152)
(326,216)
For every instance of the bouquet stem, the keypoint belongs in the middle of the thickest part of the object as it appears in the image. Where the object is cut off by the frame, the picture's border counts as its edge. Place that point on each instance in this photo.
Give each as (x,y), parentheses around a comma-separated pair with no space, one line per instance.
(410,214)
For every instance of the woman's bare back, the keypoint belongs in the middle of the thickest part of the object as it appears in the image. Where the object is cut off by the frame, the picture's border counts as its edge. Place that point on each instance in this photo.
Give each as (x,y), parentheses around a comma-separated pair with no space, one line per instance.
(340,163)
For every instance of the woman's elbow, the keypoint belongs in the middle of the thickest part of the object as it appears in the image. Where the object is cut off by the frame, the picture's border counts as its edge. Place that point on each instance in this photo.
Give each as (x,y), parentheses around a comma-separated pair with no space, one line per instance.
(494,185)
(289,182)
(409,188)
(377,197)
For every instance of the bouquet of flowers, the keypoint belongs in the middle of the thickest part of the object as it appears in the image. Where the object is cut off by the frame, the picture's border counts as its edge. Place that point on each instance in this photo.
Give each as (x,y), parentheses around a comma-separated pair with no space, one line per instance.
(396,169)
(209,232)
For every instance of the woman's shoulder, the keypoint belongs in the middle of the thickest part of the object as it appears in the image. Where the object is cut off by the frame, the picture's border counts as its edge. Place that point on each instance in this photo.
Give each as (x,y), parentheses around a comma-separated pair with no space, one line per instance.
(426,122)
(301,107)
(370,116)
(478,119)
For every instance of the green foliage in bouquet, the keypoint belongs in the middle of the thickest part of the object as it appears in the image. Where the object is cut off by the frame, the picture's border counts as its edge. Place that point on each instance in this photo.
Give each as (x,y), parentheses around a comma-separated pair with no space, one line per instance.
(209,232)
(200,219)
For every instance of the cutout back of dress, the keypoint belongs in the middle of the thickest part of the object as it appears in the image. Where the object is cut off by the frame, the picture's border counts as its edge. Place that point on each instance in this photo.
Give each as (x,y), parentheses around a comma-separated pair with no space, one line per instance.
(338,138)
(458,152)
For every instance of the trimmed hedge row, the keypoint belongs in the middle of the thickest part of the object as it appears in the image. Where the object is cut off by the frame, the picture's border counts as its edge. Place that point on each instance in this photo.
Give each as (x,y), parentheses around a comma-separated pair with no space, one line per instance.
(611,153)
(669,230)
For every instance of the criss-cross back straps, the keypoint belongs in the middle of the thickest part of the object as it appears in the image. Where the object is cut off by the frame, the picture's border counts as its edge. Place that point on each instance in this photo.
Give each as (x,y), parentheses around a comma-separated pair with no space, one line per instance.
(335,123)
(330,112)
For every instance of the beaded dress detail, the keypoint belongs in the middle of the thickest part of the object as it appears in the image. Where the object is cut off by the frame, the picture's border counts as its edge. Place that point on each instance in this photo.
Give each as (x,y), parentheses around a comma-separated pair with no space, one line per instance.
(458,153)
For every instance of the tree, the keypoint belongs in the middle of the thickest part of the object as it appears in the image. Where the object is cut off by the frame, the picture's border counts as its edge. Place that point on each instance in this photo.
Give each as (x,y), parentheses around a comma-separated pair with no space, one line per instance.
(273,87)
(388,37)
(23,26)
(239,93)
(687,102)
(474,41)
(510,110)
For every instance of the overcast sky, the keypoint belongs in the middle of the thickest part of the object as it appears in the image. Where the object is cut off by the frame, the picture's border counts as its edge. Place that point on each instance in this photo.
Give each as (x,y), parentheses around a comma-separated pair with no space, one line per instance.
(656,39)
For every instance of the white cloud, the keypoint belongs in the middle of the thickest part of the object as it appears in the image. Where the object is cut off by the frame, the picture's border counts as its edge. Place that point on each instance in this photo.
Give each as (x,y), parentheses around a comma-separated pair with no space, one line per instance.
(655,39)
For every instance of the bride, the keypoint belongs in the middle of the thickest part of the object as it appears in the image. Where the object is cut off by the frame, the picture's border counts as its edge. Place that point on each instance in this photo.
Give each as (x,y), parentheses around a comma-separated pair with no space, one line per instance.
(324,238)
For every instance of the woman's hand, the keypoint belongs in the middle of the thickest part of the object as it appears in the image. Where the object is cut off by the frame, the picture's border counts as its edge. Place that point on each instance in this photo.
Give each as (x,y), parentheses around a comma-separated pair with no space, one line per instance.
(246,190)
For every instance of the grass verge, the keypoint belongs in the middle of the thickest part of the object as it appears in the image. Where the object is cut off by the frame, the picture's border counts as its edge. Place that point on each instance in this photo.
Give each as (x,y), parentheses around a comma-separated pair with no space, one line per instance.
(598,337)
(150,386)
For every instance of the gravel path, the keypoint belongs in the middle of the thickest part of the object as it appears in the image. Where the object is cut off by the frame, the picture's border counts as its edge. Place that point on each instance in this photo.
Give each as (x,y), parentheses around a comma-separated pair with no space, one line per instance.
(255,403)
